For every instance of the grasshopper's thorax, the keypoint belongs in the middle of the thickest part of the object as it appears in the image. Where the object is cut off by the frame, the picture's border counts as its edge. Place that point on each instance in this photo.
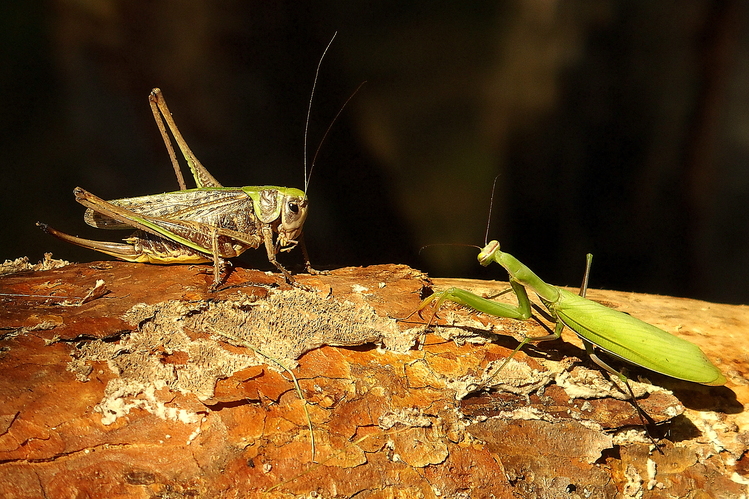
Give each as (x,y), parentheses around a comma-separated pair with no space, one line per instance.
(283,207)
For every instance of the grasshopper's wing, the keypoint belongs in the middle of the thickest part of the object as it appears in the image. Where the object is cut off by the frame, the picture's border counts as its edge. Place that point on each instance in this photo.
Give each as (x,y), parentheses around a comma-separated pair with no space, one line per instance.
(636,341)
(209,206)
(234,233)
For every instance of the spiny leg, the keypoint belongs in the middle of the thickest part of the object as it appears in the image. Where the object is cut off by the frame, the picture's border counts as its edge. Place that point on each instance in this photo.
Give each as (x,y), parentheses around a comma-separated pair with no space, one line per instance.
(462,297)
(217,263)
(153,99)
(270,249)
(440,297)
(200,174)
(528,339)
(307,264)
(586,276)
(644,416)
(600,363)
(520,312)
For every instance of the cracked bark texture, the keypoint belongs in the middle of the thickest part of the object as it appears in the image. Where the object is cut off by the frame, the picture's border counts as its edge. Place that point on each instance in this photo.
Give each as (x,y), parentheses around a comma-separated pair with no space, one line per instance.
(155,389)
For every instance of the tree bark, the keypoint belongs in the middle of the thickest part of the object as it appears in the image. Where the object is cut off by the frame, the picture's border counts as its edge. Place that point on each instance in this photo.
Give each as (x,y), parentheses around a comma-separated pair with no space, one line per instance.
(154,386)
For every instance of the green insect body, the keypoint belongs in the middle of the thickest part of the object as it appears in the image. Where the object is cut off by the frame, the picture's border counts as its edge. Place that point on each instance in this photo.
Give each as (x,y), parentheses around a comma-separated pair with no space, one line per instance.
(207,224)
(620,335)
(635,341)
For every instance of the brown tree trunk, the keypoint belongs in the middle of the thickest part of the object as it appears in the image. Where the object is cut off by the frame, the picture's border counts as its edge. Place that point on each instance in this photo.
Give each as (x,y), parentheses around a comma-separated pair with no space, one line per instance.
(156,387)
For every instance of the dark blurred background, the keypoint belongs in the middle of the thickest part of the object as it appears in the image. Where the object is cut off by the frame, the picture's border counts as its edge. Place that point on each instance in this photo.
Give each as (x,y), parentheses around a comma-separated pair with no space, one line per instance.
(618,128)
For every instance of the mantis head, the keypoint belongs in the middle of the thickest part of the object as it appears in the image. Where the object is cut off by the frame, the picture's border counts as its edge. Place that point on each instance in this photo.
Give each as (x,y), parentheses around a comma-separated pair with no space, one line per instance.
(488,252)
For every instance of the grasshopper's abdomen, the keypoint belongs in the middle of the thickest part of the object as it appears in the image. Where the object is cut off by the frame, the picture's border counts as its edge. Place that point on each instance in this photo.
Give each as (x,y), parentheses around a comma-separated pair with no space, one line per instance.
(148,248)
(184,226)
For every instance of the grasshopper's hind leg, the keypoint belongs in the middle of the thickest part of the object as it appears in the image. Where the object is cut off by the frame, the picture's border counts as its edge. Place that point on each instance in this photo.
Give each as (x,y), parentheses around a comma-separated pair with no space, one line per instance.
(140,247)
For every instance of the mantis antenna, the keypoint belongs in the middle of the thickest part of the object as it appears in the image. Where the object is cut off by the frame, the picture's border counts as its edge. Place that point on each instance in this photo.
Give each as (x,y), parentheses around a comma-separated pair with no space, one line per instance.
(491,206)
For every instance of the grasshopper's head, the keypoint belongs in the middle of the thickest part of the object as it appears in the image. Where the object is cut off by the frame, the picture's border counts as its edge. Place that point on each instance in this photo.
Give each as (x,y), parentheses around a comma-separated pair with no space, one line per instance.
(487,253)
(293,214)
(284,208)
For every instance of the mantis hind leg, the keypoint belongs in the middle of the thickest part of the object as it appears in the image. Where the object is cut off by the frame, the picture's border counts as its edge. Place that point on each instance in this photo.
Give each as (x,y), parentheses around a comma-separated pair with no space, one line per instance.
(645,418)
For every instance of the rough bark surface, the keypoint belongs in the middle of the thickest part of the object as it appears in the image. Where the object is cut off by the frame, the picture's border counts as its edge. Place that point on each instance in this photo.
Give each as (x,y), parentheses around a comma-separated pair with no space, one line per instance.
(155,387)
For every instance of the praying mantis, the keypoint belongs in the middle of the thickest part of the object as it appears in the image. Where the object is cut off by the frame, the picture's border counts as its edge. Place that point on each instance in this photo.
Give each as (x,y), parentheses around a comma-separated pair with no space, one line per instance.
(618,334)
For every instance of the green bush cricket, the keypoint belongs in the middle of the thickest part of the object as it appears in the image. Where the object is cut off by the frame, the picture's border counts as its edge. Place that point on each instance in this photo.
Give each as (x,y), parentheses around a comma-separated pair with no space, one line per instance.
(616,333)
(209,223)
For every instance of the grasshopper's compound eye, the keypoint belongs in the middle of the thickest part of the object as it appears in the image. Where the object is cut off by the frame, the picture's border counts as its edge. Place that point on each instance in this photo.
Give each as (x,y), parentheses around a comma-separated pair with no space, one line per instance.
(292,218)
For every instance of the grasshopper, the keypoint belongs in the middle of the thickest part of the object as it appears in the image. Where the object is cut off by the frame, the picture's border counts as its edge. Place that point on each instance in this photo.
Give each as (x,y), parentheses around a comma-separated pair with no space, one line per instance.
(209,223)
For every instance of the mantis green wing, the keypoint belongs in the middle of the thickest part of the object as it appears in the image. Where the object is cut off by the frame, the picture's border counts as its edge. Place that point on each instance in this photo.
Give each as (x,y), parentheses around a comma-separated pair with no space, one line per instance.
(635,341)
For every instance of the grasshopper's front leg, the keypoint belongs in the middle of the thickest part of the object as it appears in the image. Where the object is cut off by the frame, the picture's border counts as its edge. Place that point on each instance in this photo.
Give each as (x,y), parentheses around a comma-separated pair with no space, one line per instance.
(270,248)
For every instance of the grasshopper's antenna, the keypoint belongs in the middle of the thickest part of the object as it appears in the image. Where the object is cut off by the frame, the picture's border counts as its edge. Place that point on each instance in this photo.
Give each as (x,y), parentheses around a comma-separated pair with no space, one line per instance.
(491,205)
(325,135)
(309,110)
